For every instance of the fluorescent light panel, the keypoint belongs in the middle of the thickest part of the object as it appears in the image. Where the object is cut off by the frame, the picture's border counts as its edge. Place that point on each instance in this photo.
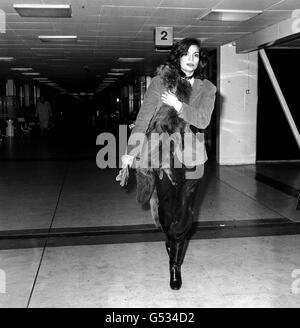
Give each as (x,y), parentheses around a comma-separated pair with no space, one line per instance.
(86,93)
(21,69)
(229,15)
(7,59)
(58,38)
(31,74)
(115,74)
(118,70)
(36,10)
(51,84)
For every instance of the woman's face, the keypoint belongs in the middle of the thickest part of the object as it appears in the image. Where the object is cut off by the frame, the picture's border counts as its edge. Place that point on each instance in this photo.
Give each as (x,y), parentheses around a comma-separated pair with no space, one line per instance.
(190,61)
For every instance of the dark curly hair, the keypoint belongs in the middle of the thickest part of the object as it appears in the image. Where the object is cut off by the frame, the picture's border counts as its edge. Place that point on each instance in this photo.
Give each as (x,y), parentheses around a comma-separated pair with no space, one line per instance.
(180,49)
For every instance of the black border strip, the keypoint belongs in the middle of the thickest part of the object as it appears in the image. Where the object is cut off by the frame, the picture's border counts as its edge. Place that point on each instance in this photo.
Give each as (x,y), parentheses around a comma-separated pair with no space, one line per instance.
(289,190)
(148,233)
(127,229)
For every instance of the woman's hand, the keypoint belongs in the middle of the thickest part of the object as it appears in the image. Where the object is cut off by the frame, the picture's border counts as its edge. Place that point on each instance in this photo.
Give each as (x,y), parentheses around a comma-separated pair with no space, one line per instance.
(123,176)
(170,99)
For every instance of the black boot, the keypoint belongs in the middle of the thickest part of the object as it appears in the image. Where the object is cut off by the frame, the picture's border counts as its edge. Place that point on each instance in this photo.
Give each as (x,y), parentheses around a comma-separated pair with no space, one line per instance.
(176,259)
(175,277)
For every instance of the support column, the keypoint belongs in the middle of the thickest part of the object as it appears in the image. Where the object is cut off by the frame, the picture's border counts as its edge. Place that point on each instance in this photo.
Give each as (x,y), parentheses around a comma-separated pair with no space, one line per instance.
(27,95)
(237,105)
(10,99)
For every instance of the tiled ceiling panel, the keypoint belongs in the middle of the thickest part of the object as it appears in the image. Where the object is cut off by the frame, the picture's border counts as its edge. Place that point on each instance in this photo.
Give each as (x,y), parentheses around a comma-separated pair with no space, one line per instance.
(190,3)
(212,29)
(171,20)
(79,30)
(109,29)
(124,22)
(286,5)
(30,25)
(246,5)
(32,32)
(126,11)
(199,22)
(83,8)
(141,3)
(178,13)
(268,18)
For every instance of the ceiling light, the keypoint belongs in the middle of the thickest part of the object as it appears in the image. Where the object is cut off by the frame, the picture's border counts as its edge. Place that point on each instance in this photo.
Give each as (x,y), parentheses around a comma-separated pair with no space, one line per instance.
(58,38)
(51,84)
(36,10)
(41,79)
(130,60)
(115,74)
(31,74)
(120,70)
(229,15)
(85,93)
(162,50)
(7,59)
(21,69)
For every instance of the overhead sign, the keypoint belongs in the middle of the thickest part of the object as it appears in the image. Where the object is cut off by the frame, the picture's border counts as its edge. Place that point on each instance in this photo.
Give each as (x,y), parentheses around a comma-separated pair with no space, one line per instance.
(163,37)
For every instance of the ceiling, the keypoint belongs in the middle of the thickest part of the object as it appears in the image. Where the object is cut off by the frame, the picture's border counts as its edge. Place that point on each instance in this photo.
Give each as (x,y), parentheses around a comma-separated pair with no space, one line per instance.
(109,29)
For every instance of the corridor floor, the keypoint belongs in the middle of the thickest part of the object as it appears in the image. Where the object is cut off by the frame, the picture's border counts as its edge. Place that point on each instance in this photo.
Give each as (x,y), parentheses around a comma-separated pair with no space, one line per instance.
(40,197)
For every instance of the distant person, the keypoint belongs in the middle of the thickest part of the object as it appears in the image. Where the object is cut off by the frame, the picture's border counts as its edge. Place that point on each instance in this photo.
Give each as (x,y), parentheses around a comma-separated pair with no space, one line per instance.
(44,113)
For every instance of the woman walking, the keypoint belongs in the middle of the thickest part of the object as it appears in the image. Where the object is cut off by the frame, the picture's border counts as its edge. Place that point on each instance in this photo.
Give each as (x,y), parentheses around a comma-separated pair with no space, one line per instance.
(192,100)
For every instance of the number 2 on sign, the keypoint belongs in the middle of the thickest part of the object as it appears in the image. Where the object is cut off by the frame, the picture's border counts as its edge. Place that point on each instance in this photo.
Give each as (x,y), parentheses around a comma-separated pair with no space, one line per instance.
(164,35)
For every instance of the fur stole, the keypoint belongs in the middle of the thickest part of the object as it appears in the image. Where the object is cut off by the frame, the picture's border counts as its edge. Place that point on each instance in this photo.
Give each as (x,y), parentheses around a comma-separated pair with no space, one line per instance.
(167,121)
(173,82)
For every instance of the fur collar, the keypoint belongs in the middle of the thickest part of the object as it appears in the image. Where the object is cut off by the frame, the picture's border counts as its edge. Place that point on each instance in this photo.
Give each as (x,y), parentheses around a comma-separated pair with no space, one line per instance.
(173,82)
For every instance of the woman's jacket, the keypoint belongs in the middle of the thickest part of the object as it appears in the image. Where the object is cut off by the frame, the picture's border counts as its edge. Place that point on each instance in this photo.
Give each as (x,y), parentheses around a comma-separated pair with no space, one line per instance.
(196,111)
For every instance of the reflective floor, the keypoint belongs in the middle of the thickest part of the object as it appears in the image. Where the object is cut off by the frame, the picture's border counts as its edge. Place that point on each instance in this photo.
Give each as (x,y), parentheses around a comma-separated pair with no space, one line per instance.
(71,237)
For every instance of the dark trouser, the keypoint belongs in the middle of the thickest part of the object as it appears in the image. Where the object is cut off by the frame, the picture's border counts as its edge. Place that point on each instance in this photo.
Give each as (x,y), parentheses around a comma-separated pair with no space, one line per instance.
(175,205)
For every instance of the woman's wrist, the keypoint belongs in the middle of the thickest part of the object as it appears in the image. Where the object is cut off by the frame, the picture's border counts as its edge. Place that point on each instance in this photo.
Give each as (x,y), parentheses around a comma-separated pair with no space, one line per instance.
(127,160)
(178,106)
